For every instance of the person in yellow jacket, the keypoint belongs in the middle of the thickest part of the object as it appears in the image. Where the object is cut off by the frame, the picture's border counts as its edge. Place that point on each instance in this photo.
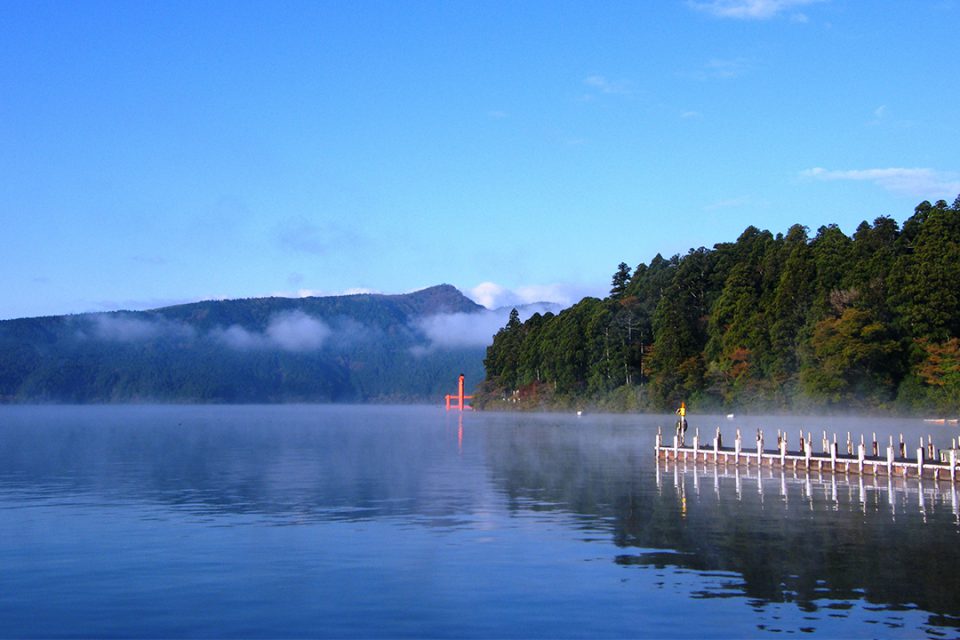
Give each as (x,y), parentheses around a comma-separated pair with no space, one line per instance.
(682,422)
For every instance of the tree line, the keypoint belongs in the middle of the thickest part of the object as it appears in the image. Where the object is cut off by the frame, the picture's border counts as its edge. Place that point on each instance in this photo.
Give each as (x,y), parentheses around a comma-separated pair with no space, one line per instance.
(769,322)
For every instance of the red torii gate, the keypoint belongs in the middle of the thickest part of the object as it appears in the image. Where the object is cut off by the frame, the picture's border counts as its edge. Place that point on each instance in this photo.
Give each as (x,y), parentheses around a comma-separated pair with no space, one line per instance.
(459,398)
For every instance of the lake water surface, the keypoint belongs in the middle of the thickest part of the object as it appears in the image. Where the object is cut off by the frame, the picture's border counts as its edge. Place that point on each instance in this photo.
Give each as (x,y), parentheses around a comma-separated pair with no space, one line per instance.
(375,521)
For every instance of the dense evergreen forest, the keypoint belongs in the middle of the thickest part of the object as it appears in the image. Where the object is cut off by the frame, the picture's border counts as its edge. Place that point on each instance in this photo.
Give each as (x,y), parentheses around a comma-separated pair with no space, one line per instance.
(358,348)
(780,322)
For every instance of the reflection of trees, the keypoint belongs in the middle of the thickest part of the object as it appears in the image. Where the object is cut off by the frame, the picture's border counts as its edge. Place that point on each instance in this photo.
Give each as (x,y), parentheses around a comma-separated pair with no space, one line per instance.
(791,545)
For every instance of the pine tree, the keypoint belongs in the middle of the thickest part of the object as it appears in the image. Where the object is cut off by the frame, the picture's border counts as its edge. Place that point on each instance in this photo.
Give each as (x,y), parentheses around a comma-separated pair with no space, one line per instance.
(620,281)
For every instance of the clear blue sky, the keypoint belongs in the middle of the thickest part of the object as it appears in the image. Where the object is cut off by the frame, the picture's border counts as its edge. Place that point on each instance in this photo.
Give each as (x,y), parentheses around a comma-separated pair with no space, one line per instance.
(161,152)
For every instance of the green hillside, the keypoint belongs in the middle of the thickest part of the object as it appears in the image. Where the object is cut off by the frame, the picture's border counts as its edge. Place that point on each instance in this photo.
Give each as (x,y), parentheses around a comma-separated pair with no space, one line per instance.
(357,348)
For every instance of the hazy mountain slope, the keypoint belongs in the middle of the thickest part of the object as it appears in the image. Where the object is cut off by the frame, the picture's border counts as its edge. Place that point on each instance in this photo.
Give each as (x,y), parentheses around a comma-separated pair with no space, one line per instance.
(356,348)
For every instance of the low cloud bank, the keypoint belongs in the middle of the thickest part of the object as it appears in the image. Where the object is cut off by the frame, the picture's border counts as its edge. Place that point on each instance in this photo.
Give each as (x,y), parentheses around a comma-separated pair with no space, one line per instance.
(296,331)
(124,327)
(494,296)
(460,330)
(289,331)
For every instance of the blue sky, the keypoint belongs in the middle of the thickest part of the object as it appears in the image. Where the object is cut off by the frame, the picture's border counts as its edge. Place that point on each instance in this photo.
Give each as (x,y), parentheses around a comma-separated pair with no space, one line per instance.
(162,152)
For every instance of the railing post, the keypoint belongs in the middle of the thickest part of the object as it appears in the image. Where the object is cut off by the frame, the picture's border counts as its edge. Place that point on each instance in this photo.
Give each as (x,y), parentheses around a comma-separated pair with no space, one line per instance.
(920,454)
(890,458)
(737,444)
(861,454)
(759,448)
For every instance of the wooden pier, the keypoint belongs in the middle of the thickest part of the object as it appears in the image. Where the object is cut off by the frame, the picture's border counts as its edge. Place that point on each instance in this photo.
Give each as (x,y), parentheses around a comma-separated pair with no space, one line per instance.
(861,459)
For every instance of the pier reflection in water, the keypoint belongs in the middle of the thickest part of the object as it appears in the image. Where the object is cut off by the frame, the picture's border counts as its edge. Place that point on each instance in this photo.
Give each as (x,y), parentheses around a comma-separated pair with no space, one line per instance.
(821,540)
(816,489)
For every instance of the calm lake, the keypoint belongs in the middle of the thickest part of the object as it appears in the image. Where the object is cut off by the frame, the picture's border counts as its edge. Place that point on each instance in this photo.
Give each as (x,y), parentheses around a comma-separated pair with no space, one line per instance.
(376,521)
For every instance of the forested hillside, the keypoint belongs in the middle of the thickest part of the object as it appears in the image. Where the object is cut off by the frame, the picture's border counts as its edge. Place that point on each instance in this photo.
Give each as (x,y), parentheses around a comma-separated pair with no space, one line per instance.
(357,348)
(768,322)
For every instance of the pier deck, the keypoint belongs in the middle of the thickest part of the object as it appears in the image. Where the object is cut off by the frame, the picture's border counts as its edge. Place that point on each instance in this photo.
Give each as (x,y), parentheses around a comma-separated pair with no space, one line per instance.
(855,460)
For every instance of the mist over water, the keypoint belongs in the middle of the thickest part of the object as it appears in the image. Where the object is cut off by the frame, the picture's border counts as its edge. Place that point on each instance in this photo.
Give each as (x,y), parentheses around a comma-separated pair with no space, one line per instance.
(365,521)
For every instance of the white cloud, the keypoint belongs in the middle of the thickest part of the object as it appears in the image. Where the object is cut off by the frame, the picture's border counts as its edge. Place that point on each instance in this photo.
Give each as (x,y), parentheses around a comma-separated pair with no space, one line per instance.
(237,337)
(885,117)
(720,69)
(123,327)
(495,296)
(603,85)
(289,331)
(920,182)
(451,330)
(880,112)
(461,329)
(561,294)
(752,9)
(297,331)
(487,294)
(724,69)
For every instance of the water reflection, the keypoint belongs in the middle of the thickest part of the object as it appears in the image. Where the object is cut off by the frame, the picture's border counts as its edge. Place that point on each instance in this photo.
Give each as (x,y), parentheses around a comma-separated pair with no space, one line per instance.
(816,489)
(818,540)
(815,541)
(823,545)
(282,465)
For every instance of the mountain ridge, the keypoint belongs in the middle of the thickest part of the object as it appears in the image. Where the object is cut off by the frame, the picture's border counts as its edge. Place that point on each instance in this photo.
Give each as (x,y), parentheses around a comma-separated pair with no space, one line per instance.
(354,348)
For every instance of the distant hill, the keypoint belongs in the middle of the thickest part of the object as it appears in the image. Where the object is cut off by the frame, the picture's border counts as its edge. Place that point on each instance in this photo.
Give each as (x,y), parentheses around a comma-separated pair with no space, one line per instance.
(355,348)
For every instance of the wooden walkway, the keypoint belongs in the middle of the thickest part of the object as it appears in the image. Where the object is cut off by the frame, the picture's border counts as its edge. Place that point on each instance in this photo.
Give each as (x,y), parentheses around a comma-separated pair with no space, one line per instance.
(861,459)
